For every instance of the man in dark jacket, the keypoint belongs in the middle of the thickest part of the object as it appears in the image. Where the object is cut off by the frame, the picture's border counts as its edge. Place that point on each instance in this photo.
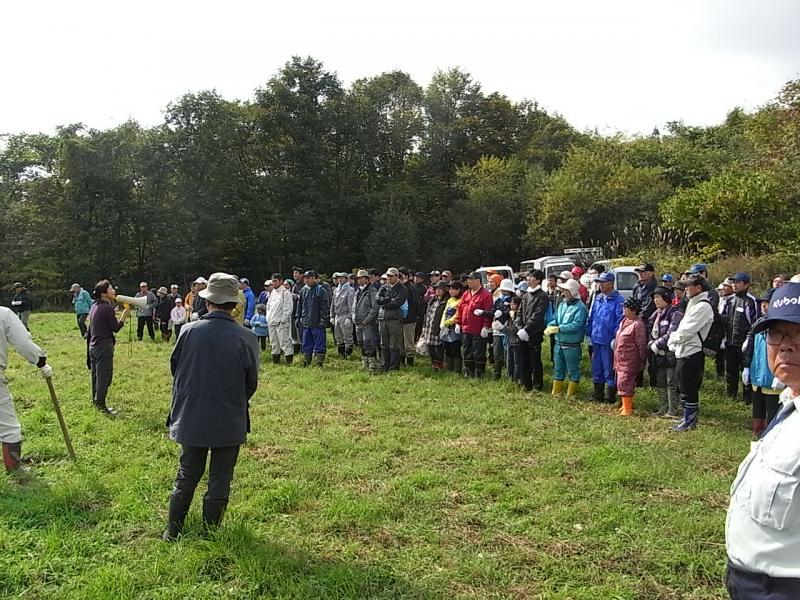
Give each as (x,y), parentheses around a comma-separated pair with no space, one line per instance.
(742,312)
(199,308)
(297,327)
(391,298)
(21,303)
(215,369)
(643,292)
(412,316)
(315,308)
(365,317)
(531,315)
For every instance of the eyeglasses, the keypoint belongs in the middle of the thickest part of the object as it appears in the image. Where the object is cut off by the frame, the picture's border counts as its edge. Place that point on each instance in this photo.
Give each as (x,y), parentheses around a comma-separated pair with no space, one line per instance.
(776,337)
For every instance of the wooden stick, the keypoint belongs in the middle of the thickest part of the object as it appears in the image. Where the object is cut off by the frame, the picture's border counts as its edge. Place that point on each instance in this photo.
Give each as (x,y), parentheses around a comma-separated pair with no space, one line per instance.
(57,406)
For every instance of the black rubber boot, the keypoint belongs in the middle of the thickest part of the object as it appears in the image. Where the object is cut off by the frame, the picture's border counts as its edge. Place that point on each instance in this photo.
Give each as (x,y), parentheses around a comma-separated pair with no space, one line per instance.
(213,511)
(276,359)
(289,359)
(348,351)
(296,348)
(319,359)
(469,368)
(449,363)
(178,509)
(12,454)
(342,353)
(307,358)
(599,388)
(611,395)
(458,365)
(410,361)
(480,369)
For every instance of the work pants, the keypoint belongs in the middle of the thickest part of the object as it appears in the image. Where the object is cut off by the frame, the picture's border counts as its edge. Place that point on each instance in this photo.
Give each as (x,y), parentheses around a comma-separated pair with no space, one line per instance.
(101,362)
(567,362)
(140,324)
(10,429)
(689,372)
(603,365)
(280,336)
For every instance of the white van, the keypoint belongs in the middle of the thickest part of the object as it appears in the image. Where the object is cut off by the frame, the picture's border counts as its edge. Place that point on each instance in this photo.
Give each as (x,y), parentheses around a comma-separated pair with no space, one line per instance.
(504,271)
(625,280)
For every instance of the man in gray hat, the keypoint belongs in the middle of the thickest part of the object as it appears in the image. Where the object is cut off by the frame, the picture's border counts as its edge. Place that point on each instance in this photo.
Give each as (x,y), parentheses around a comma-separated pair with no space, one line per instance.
(344,297)
(365,316)
(391,299)
(215,369)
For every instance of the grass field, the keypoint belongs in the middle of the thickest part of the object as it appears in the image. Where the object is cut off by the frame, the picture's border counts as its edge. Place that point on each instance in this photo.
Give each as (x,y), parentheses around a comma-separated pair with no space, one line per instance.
(411,485)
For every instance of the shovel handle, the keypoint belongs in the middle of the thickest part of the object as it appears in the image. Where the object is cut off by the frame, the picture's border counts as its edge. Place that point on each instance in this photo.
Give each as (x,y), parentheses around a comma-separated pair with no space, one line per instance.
(57,407)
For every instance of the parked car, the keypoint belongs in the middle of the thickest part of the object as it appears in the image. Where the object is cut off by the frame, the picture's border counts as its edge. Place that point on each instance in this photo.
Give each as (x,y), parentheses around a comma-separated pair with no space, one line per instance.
(625,280)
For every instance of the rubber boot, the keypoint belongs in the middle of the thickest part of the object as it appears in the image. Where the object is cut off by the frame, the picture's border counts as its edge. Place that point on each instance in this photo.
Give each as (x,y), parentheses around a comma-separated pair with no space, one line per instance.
(480,369)
(572,390)
(178,509)
(365,363)
(12,454)
(458,365)
(341,351)
(319,359)
(289,359)
(759,425)
(469,368)
(307,358)
(627,406)
(213,511)
(410,361)
(374,365)
(558,388)
(296,348)
(276,359)
(348,351)
(449,363)
(689,420)
(599,388)
(611,395)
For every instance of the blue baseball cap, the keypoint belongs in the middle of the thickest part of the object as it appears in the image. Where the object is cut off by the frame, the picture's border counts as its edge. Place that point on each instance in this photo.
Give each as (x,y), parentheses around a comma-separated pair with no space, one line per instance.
(667,277)
(604,277)
(697,268)
(784,306)
(742,277)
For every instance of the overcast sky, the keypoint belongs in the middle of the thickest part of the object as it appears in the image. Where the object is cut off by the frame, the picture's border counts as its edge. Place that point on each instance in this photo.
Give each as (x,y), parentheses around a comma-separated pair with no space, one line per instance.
(626,65)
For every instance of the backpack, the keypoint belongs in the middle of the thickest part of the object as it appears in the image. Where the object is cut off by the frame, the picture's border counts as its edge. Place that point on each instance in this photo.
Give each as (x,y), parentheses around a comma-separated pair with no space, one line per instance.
(404,309)
(713,342)
(549,313)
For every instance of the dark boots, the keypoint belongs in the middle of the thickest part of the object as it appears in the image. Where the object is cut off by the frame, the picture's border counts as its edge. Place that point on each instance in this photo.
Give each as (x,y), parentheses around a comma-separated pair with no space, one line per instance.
(307,358)
(480,369)
(213,511)
(410,361)
(289,359)
(611,395)
(599,388)
(178,509)
(342,351)
(276,359)
(319,360)
(12,454)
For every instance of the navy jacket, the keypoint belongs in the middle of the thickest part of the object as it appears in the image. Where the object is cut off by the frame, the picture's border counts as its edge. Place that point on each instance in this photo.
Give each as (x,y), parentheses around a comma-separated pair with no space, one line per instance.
(215,373)
(315,306)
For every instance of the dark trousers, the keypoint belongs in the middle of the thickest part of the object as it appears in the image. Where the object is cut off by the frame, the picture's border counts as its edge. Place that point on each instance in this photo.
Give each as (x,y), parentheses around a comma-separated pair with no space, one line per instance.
(733,371)
(743,585)
(220,471)
(140,323)
(765,406)
(101,362)
(177,327)
(452,353)
(689,372)
(313,340)
(367,337)
(530,368)
(262,340)
(437,354)
(513,362)
(499,353)
(719,363)
(392,343)
(474,351)
(81,318)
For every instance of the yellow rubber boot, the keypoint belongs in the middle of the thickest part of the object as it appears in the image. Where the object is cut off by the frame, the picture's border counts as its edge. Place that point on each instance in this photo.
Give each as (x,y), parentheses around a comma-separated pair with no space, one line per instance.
(627,406)
(572,390)
(558,388)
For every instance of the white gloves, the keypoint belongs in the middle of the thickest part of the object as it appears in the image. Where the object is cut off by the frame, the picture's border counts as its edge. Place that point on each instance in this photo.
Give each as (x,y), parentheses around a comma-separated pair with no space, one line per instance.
(523,335)
(194,317)
(485,331)
(613,343)
(653,348)
(497,326)
(247,322)
(498,314)
(458,329)
(745,376)
(46,371)
(777,384)
(477,312)
(16,302)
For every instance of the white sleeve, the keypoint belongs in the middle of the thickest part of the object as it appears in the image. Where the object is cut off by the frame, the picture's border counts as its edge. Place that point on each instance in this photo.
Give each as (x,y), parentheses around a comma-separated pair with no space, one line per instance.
(20,338)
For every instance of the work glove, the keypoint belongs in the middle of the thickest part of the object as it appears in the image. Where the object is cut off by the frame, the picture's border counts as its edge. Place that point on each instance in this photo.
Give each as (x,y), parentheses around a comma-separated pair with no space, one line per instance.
(551,330)
(485,331)
(458,329)
(654,348)
(746,376)
(46,371)
(587,340)
(194,317)
(477,312)
(613,344)
(247,322)
(498,314)
(523,335)
(16,302)
(497,326)
(777,384)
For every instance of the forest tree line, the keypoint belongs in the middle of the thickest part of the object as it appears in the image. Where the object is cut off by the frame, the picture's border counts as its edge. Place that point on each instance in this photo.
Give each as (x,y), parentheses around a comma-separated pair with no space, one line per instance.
(311,173)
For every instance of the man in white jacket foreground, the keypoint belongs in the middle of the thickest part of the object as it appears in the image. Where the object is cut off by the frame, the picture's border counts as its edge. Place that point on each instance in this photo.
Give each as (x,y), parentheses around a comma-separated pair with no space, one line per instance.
(687,344)
(13,332)
(279,319)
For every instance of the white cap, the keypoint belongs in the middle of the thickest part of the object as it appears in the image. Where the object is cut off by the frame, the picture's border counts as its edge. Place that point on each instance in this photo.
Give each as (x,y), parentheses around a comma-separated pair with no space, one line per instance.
(200,280)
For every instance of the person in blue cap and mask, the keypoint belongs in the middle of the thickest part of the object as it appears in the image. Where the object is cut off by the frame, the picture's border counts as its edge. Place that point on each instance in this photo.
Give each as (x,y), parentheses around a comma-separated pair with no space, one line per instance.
(762,529)
(601,328)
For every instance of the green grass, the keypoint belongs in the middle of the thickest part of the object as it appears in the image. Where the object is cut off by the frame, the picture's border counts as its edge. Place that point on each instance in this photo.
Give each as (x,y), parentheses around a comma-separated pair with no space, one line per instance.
(411,485)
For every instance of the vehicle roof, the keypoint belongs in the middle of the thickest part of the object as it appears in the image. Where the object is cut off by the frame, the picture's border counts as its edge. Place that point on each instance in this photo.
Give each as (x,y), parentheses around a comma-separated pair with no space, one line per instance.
(503,267)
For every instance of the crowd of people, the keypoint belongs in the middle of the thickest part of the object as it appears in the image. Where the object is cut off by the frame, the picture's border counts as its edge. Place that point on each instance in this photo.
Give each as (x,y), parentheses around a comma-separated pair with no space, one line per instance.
(663,332)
